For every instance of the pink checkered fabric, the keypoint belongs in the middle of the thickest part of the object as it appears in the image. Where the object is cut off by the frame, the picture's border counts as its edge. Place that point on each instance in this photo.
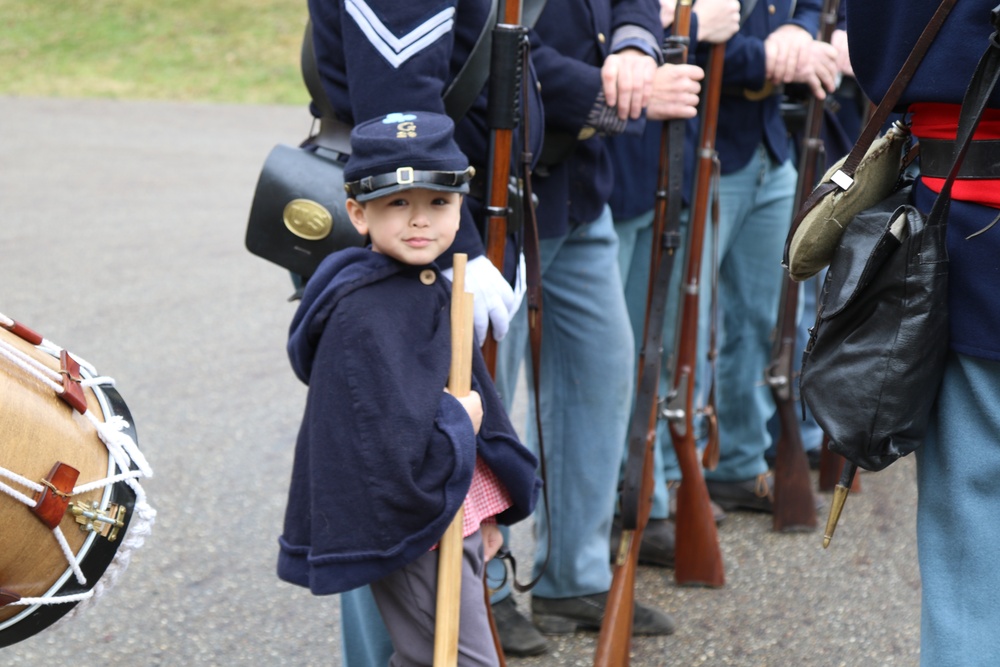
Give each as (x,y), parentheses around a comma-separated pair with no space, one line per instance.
(487,497)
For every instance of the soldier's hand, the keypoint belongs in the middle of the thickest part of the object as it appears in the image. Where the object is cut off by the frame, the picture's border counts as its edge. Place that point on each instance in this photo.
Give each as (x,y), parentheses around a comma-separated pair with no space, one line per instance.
(718,20)
(627,77)
(783,49)
(675,92)
(821,69)
(667,10)
(839,42)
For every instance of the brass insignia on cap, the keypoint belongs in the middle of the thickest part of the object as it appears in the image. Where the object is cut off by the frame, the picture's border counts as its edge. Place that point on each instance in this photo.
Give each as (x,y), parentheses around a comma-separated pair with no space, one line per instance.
(406,130)
(308,219)
(427,276)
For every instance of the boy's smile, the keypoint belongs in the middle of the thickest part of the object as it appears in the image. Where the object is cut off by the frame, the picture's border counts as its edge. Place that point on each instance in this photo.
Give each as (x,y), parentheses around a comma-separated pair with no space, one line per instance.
(413,226)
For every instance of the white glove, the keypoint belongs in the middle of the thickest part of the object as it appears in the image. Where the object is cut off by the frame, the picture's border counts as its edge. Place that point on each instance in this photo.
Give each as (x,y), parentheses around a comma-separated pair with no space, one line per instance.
(520,285)
(493,297)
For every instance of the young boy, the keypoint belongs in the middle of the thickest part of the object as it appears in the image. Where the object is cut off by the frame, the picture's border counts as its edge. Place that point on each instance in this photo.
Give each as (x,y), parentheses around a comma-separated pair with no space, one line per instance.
(385,456)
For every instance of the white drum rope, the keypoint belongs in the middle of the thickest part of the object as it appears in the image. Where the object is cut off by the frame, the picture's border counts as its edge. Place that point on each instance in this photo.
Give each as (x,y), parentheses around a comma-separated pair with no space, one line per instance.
(123,451)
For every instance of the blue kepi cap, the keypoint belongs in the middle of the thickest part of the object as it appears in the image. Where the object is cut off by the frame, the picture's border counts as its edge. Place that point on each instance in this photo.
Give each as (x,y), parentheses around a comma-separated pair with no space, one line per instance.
(404,150)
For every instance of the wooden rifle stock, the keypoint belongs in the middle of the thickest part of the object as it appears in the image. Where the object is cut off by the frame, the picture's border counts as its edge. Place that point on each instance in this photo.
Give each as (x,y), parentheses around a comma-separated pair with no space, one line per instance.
(794,504)
(449,583)
(614,641)
(697,557)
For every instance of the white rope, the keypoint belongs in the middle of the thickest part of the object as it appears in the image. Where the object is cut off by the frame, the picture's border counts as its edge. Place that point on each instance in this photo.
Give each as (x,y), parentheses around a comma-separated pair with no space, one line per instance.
(107,481)
(70,556)
(78,597)
(23,481)
(32,366)
(17,495)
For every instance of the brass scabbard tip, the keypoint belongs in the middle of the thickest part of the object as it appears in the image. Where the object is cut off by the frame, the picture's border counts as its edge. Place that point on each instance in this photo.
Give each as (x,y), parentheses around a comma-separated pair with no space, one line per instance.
(839,497)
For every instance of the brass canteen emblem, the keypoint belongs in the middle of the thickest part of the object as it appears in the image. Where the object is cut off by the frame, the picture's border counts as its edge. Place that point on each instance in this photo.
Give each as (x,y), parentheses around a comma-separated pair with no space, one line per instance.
(308,219)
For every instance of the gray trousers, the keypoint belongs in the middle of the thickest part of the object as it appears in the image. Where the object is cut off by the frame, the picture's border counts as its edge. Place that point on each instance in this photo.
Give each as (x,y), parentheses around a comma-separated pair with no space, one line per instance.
(407,598)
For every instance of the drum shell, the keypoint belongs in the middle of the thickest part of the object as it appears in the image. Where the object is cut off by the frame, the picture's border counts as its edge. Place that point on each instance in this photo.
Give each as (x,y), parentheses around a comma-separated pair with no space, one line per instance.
(38,430)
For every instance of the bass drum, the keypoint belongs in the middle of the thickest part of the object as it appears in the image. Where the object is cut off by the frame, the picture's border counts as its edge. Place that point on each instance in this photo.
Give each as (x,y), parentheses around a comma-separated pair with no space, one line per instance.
(71,509)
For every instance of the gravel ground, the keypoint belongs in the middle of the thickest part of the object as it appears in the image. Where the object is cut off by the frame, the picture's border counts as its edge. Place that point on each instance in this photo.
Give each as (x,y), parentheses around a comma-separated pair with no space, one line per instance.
(122,236)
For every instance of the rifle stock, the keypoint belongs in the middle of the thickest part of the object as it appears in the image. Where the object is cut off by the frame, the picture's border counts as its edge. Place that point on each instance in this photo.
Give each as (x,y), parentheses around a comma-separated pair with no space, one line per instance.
(614,641)
(794,504)
(697,556)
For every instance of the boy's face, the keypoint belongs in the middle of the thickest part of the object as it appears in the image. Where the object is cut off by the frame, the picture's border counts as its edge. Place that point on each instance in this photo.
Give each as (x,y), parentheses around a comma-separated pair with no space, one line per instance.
(413,226)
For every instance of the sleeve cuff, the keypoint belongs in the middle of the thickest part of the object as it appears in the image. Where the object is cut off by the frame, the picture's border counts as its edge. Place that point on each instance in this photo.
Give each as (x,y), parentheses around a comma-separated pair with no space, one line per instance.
(633,36)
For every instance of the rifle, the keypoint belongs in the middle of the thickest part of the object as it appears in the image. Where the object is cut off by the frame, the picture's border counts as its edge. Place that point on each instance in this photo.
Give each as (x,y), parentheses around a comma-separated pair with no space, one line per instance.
(616,627)
(507,53)
(449,583)
(794,504)
(509,42)
(697,558)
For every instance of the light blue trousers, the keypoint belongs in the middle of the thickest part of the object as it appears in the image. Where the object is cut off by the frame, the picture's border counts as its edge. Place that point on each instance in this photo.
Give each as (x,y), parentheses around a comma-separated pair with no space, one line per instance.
(755,215)
(364,640)
(585,390)
(958,535)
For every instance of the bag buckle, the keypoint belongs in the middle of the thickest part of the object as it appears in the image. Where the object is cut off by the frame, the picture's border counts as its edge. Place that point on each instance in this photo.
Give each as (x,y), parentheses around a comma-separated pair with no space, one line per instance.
(842,180)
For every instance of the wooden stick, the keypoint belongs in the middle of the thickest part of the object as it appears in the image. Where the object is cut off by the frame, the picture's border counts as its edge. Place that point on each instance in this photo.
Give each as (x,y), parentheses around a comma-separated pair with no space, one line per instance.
(449,586)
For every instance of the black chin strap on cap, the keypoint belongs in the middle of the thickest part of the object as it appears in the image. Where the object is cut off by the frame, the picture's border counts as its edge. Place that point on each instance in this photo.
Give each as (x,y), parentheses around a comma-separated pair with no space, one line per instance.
(455,181)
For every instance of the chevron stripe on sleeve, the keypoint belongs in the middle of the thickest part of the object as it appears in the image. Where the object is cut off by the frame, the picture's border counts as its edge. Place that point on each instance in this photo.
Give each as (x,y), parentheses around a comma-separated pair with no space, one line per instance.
(398,49)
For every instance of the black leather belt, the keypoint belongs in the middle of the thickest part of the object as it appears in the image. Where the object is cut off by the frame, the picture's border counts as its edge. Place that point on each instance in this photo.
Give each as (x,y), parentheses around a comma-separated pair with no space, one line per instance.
(982,160)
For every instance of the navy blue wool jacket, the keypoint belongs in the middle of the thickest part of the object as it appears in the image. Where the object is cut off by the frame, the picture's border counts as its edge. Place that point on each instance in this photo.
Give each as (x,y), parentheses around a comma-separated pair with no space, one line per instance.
(943,75)
(572,40)
(745,124)
(384,456)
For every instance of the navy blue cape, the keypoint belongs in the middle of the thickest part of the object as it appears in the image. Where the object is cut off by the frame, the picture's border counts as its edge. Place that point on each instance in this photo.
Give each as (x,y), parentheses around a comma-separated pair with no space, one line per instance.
(384,457)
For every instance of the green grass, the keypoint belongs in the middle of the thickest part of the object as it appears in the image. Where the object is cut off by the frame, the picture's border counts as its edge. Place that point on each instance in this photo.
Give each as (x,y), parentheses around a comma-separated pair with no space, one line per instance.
(240,51)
